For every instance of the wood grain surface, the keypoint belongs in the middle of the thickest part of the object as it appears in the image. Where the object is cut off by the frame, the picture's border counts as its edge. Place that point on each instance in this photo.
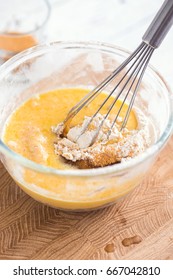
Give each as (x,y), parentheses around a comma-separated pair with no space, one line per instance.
(140,226)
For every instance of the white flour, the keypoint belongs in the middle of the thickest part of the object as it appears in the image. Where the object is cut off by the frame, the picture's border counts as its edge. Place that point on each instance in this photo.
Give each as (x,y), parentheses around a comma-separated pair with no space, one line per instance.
(121,145)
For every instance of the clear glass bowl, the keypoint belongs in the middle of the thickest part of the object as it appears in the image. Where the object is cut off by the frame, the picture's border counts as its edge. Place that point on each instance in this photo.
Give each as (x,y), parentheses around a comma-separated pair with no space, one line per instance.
(83,64)
(23,25)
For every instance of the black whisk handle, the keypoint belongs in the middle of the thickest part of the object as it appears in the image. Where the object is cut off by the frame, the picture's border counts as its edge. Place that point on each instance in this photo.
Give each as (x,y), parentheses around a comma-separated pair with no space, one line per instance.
(160,25)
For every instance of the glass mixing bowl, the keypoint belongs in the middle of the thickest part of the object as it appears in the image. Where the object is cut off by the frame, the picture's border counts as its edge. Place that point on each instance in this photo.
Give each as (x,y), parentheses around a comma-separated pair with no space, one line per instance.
(68,65)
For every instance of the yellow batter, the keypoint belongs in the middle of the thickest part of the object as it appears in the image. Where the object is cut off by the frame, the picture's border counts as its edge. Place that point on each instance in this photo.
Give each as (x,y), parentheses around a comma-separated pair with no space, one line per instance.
(28,132)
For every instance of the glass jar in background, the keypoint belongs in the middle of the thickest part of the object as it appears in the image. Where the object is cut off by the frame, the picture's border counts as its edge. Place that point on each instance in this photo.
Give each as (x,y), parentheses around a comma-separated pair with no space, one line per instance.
(22,25)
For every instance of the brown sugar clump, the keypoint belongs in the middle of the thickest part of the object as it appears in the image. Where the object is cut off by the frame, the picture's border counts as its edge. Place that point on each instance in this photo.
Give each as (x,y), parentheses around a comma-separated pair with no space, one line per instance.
(98,160)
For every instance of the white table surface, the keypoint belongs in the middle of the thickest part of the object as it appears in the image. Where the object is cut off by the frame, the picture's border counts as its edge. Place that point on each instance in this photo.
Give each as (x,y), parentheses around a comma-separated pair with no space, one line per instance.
(119,22)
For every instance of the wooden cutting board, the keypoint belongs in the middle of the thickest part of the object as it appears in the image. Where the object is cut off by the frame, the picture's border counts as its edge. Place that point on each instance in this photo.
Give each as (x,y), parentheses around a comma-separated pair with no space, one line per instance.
(140,226)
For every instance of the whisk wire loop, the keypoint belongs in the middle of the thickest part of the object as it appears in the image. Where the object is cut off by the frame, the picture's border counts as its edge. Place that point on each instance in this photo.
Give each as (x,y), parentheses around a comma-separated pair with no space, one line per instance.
(142,57)
(96,91)
(112,92)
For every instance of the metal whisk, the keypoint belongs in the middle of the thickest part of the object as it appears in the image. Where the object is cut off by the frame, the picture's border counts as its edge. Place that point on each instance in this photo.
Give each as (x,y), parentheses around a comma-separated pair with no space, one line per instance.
(137,63)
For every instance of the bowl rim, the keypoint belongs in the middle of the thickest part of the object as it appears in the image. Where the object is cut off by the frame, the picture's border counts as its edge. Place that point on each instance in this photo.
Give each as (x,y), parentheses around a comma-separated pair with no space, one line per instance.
(30,32)
(115,168)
